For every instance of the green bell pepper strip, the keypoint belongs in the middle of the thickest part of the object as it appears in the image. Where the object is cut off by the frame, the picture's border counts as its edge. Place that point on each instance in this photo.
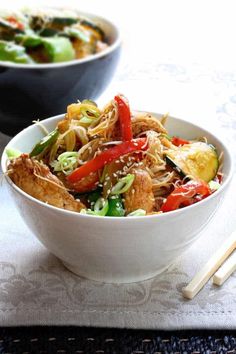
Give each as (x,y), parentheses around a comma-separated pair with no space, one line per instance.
(45,142)
(94,196)
(14,53)
(115,206)
(58,49)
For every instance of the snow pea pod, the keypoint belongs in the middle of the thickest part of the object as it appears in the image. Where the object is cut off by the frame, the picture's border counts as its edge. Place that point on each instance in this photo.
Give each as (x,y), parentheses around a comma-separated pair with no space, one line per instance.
(45,142)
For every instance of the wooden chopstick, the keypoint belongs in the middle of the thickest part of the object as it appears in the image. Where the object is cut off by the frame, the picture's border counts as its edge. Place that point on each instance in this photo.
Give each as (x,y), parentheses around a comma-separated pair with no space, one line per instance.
(210,267)
(225,271)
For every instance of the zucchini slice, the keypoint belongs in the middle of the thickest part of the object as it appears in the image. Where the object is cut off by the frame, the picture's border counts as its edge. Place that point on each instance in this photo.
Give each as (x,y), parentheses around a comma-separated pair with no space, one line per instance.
(196,160)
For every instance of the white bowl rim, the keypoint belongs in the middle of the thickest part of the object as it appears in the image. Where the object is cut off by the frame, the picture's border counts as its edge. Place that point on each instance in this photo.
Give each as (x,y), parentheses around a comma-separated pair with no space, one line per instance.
(121,219)
(89,58)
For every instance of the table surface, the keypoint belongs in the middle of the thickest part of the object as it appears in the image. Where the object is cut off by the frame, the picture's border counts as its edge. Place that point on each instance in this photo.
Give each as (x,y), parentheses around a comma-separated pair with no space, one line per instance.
(177,57)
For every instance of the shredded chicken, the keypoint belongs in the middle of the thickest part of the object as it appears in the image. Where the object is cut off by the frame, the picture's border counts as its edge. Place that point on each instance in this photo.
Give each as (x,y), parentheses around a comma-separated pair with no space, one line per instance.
(35,178)
(140,195)
(142,122)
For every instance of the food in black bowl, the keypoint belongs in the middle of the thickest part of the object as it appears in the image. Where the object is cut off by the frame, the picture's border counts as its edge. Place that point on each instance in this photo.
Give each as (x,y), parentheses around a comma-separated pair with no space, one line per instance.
(50,58)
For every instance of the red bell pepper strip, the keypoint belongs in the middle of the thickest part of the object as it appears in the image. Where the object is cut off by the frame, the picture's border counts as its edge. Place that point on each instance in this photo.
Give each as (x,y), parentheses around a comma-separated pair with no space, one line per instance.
(124,118)
(107,156)
(178,141)
(185,194)
(15,22)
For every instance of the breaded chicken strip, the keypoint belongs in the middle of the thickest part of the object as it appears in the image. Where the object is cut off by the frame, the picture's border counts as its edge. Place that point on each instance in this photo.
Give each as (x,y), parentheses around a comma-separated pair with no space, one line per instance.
(140,194)
(35,178)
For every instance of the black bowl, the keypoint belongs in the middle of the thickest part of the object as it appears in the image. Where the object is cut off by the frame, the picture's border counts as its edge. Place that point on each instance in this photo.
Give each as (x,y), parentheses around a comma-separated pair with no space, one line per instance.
(36,91)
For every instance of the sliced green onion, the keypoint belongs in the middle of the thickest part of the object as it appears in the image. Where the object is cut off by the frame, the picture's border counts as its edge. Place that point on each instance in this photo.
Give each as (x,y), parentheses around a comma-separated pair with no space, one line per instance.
(123,184)
(12,153)
(89,102)
(86,120)
(66,162)
(138,212)
(168,137)
(87,212)
(214,185)
(89,110)
(101,207)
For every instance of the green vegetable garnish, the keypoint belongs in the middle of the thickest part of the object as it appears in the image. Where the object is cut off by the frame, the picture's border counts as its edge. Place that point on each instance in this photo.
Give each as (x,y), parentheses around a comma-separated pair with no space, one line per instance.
(89,110)
(57,49)
(101,207)
(76,33)
(123,184)
(66,162)
(138,212)
(214,185)
(45,142)
(115,206)
(12,153)
(94,196)
(14,53)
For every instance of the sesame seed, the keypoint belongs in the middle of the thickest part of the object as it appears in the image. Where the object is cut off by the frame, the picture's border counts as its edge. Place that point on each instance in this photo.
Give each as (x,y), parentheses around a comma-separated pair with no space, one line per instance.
(108,191)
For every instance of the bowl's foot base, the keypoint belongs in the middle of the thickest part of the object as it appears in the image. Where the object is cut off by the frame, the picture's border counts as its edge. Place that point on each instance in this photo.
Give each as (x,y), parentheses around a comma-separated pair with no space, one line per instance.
(114,279)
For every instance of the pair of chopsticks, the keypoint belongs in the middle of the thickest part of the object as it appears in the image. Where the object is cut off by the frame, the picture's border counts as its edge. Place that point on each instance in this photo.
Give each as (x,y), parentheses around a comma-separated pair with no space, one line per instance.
(211,267)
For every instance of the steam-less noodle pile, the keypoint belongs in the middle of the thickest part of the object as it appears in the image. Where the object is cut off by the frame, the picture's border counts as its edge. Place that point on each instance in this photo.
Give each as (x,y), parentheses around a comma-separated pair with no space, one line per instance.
(111,162)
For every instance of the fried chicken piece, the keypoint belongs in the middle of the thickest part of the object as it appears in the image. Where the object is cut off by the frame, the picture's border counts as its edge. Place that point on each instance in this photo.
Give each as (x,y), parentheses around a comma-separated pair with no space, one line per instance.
(140,194)
(35,178)
(142,122)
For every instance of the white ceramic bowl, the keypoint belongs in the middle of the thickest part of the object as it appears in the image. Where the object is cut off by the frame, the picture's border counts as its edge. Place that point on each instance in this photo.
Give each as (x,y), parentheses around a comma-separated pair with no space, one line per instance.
(110,249)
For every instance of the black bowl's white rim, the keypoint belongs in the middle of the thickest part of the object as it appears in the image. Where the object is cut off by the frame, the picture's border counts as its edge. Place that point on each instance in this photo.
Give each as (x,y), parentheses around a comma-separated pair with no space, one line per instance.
(121,219)
(111,48)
